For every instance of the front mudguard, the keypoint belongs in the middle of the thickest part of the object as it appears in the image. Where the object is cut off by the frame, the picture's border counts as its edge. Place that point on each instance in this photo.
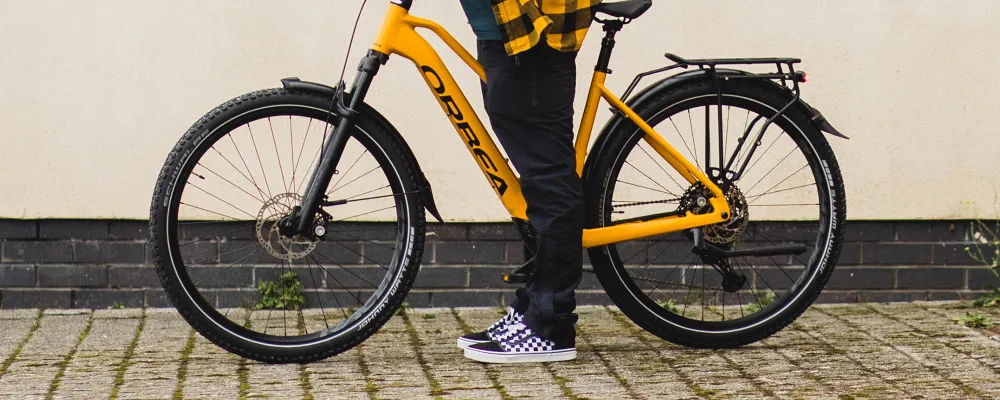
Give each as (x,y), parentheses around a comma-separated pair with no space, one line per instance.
(426,192)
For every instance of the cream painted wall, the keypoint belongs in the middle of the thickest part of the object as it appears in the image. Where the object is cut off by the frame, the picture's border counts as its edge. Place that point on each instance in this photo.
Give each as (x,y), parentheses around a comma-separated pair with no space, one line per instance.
(95,93)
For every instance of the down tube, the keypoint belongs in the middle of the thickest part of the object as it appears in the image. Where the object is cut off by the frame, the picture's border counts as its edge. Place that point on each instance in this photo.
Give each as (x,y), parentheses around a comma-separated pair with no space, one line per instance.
(470,128)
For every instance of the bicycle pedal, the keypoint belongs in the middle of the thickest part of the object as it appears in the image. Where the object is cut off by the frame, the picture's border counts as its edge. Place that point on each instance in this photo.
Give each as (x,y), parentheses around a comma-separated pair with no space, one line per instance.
(515,278)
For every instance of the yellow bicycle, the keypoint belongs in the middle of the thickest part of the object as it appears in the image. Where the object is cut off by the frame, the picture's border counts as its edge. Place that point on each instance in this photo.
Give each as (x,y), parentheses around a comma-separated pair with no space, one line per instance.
(288,224)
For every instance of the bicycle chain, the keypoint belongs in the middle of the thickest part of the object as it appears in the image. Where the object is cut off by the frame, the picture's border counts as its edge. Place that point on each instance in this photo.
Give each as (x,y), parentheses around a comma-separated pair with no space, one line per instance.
(643,203)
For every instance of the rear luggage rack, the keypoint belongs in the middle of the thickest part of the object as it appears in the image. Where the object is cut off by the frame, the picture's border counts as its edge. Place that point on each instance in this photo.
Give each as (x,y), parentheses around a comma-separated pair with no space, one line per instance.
(709,64)
(786,74)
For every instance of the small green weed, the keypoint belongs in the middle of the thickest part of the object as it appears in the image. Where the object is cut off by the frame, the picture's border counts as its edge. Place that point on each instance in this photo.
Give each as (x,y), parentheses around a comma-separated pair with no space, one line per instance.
(669,305)
(117,306)
(974,320)
(761,301)
(401,311)
(985,247)
(428,316)
(991,299)
(284,295)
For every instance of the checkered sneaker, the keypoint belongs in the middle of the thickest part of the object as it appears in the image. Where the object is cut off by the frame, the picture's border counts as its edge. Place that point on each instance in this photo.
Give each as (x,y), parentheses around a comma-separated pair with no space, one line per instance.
(501,326)
(522,345)
(511,333)
(491,334)
(529,344)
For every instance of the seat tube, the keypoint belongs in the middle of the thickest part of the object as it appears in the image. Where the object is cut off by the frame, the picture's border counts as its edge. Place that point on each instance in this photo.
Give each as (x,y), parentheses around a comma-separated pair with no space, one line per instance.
(587,121)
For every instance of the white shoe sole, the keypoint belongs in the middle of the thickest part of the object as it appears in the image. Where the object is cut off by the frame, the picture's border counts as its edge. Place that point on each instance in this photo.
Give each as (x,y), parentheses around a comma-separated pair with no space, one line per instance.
(512,358)
(464,343)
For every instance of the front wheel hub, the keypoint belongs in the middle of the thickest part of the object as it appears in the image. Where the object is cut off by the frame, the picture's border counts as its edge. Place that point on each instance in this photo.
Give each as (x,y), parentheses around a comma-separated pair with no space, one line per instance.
(275,228)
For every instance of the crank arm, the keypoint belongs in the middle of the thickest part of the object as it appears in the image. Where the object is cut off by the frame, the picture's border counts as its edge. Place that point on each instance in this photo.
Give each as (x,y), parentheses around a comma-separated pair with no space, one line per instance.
(780,250)
(711,252)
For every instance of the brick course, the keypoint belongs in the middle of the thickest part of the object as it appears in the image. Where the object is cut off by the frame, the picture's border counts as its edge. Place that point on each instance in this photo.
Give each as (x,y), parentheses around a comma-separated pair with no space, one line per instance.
(96,263)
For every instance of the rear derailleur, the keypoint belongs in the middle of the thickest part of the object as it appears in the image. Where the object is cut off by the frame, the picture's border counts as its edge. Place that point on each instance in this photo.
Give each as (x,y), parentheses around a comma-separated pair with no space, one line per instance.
(715,256)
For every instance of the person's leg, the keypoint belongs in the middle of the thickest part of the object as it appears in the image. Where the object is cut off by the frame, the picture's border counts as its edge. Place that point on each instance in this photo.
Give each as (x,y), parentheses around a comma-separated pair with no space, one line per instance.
(530,104)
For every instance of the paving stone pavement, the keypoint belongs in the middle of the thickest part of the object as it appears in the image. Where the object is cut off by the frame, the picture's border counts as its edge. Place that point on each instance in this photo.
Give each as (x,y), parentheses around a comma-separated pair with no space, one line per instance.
(859,351)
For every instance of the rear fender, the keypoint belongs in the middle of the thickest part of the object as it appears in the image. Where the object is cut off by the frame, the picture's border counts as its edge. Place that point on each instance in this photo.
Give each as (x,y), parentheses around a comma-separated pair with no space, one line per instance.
(684,78)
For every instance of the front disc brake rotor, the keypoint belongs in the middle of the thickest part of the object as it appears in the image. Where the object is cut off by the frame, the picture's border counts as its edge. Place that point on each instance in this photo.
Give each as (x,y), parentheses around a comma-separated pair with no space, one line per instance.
(269,235)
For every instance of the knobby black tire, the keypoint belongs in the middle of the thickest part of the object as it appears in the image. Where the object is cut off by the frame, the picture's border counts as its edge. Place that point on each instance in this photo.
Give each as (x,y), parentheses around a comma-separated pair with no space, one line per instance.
(167,193)
(644,311)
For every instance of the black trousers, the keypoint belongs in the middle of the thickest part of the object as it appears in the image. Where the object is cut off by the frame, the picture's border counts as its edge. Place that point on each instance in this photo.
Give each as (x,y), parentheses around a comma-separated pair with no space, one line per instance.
(529,100)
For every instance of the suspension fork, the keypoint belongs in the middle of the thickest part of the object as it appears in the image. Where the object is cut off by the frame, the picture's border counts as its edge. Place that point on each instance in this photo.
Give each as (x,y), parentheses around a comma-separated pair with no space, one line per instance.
(303,218)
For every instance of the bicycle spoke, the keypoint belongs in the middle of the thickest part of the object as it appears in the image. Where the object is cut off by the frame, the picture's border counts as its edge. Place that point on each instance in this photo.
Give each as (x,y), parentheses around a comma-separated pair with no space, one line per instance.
(363,240)
(644,187)
(694,143)
(259,162)
(776,263)
(639,145)
(333,293)
(355,252)
(295,165)
(773,168)
(209,211)
(182,244)
(312,164)
(363,214)
(231,183)
(348,200)
(249,175)
(219,199)
(650,179)
(768,149)
(756,196)
(371,191)
(284,183)
(316,288)
(353,180)
(334,187)
(239,292)
(224,284)
(227,253)
(694,158)
(229,266)
(783,180)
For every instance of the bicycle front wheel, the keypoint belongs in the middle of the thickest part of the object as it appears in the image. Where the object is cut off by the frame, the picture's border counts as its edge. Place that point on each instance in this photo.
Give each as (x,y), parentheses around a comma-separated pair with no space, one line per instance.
(242,283)
(784,189)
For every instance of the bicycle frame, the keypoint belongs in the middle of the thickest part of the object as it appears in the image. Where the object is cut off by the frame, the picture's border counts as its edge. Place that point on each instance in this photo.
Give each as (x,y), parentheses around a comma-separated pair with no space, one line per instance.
(398,36)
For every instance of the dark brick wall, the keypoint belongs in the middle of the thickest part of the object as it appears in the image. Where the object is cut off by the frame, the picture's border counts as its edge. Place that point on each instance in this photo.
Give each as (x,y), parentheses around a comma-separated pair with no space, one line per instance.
(96,263)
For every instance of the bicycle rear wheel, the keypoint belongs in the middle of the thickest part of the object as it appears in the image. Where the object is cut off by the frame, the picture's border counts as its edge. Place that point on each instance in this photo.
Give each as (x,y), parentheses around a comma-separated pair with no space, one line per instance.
(789,193)
(241,283)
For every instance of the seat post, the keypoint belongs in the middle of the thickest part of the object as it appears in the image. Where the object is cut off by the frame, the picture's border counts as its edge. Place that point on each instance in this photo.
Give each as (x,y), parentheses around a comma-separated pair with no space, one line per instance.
(611,28)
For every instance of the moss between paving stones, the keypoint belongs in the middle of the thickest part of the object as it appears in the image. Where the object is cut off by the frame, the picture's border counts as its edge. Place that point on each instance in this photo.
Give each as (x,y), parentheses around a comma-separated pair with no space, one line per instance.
(20,346)
(690,383)
(127,359)
(416,344)
(182,369)
(66,360)
(584,337)
(370,387)
(491,374)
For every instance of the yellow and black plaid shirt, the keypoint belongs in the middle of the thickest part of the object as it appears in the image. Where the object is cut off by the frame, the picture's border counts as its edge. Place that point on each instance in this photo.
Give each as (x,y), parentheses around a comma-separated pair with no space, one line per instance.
(563,23)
